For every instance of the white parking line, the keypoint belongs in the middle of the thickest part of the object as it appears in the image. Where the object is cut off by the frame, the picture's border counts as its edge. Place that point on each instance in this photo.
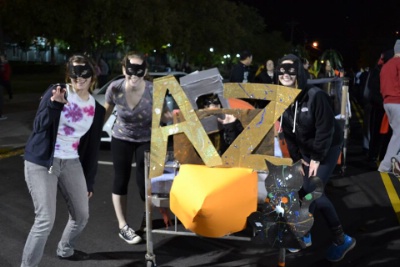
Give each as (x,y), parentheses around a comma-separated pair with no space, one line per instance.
(110,163)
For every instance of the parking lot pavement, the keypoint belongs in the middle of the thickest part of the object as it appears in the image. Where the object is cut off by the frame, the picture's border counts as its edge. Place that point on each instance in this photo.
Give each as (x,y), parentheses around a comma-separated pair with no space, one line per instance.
(366,201)
(15,130)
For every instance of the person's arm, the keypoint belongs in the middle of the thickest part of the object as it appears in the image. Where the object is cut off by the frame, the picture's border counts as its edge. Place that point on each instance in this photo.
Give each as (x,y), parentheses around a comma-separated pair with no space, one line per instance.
(109,109)
(50,108)
(109,103)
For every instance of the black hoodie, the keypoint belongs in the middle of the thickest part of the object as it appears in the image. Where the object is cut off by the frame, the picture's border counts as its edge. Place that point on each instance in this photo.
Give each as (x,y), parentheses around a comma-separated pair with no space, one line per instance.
(315,129)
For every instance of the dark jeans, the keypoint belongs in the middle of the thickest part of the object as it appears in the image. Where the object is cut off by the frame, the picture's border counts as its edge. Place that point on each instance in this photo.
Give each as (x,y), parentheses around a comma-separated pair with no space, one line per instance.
(122,153)
(325,170)
(378,142)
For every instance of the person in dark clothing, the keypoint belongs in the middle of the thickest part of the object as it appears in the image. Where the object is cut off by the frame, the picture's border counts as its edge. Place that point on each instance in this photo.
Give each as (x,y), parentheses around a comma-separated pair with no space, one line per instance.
(5,73)
(241,72)
(268,74)
(377,141)
(104,72)
(2,117)
(231,126)
(313,136)
(363,82)
(62,154)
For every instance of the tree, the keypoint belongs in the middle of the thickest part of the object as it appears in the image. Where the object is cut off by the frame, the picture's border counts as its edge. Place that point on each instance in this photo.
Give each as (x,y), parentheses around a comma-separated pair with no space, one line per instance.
(334,57)
(99,26)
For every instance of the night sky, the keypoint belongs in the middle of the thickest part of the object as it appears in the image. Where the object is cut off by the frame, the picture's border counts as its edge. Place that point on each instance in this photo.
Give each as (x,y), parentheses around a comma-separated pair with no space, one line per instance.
(343,25)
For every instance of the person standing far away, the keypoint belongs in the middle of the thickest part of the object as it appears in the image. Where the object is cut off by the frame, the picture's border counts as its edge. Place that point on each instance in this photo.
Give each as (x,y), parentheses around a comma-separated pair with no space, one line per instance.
(356,87)
(390,90)
(133,98)
(186,68)
(241,72)
(5,72)
(61,155)
(313,136)
(2,117)
(104,71)
(374,102)
(326,70)
(267,75)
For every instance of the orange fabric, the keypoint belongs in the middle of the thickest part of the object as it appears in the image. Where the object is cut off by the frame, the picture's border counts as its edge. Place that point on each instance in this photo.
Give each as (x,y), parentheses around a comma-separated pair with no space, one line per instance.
(282,142)
(384,125)
(214,202)
(284,149)
(238,103)
(339,161)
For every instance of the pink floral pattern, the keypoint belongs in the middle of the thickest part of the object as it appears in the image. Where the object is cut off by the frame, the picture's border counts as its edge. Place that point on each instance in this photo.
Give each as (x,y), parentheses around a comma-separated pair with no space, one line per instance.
(68,130)
(75,145)
(89,111)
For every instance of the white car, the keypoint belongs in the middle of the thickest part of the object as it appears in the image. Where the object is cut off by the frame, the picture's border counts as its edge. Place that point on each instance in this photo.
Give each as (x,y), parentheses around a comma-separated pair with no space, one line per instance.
(99,95)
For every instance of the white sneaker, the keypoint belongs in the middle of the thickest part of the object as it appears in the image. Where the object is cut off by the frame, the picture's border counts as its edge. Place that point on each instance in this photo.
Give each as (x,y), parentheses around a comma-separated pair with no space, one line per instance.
(2,118)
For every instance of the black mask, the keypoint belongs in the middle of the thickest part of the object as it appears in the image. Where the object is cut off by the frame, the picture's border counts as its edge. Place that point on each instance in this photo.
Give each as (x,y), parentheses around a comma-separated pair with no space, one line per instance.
(83,71)
(135,69)
(287,68)
(211,100)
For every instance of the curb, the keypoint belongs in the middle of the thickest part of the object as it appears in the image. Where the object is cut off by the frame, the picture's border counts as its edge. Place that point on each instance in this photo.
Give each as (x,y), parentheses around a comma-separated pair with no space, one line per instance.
(11,151)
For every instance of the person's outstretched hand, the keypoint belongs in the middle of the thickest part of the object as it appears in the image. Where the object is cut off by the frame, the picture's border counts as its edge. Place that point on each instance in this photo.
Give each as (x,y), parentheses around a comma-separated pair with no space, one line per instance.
(59,95)
(227,119)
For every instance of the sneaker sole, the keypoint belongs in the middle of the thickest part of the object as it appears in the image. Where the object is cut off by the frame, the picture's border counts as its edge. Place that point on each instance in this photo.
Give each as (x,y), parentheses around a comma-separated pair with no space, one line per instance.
(137,239)
(295,250)
(344,254)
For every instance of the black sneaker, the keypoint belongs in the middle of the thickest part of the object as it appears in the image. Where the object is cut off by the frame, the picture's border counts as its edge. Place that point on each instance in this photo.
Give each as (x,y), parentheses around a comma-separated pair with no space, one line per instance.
(77,256)
(129,235)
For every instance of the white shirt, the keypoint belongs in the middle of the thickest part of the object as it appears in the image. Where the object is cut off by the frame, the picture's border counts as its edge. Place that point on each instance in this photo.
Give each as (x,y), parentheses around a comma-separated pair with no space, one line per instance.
(75,120)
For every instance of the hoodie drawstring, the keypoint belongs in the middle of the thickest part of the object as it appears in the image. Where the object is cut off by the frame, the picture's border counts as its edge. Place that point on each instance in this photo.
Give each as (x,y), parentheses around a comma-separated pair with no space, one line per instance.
(294,121)
(280,124)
